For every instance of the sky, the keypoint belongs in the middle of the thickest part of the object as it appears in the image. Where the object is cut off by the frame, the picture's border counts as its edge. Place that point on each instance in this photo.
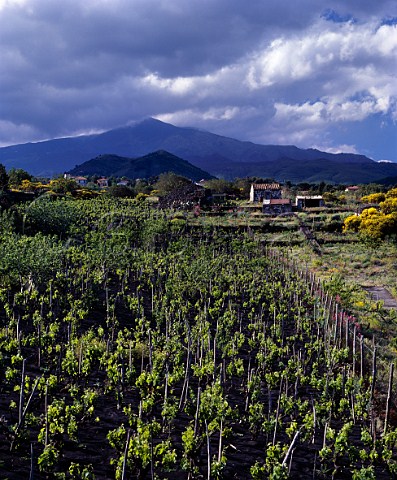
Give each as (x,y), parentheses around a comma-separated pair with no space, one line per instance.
(312,73)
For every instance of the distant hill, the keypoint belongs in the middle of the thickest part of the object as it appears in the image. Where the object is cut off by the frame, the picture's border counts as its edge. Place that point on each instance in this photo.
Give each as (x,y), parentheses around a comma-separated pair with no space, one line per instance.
(388,181)
(150,165)
(218,155)
(312,171)
(102,165)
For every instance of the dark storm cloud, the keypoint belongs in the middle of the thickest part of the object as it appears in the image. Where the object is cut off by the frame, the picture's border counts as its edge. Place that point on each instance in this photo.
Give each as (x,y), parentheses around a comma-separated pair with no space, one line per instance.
(238,67)
(171,38)
(65,61)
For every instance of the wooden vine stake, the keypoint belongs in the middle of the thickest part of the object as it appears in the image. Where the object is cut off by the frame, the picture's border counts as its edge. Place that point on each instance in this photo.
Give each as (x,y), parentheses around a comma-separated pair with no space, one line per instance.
(127,444)
(220,442)
(22,391)
(31,475)
(354,350)
(387,413)
(26,407)
(361,356)
(374,371)
(290,448)
(46,413)
(208,451)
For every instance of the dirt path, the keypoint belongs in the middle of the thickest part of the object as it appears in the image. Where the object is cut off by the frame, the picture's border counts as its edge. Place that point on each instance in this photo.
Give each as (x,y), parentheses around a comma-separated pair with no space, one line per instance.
(381,294)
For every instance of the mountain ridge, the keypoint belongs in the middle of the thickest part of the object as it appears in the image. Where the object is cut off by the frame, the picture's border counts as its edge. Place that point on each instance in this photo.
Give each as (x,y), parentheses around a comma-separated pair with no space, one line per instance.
(219,155)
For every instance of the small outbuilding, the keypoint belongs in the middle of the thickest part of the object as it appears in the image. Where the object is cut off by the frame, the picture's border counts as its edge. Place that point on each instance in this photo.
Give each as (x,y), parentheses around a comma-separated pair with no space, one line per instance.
(276,206)
(312,201)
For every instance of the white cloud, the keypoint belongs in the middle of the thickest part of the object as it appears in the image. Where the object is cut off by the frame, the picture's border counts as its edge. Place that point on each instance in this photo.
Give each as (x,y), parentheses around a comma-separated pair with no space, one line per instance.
(323,52)
(11,3)
(176,86)
(327,111)
(186,117)
(345,148)
(326,77)
(10,132)
(385,40)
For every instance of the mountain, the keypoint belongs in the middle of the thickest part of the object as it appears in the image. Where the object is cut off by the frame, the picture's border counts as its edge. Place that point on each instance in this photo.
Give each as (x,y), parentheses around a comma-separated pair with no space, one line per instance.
(312,171)
(150,165)
(102,165)
(221,156)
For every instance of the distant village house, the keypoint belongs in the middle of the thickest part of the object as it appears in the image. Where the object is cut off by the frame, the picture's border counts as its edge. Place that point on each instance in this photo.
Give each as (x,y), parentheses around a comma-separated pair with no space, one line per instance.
(82,181)
(353,188)
(102,182)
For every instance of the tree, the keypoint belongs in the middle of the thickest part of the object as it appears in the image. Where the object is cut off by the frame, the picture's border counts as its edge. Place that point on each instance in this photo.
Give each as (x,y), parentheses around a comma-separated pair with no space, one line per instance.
(142,186)
(63,185)
(217,185)
(17,175)
(121,191)
(372,188)
(168,182)
(330,197)
(3,177)
(243,187)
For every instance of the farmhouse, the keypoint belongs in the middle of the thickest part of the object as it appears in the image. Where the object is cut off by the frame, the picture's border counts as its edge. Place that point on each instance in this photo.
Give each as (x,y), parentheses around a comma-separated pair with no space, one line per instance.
(103,182)
(353,188)
(312,201)
(276,206)
(82,181)
(261,191)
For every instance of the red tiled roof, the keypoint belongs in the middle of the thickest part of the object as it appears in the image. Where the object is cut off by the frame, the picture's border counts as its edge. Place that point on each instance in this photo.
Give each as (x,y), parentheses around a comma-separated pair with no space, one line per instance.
(266,186)
(280,201)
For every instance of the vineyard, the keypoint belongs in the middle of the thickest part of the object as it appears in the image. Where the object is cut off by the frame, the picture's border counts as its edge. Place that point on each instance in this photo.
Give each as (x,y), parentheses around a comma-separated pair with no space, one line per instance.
(135,346)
